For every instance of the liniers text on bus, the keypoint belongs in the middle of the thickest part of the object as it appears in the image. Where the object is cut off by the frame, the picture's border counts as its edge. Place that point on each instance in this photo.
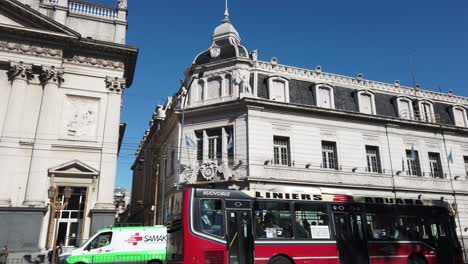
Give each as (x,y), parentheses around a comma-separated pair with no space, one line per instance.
(246,227)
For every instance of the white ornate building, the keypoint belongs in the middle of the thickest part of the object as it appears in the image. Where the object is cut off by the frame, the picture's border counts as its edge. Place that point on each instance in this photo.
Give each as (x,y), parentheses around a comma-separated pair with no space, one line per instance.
(64,66)
(251,124)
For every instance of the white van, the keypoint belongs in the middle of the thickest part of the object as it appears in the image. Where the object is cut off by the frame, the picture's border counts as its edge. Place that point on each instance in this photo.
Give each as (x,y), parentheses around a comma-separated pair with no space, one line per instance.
(143,244)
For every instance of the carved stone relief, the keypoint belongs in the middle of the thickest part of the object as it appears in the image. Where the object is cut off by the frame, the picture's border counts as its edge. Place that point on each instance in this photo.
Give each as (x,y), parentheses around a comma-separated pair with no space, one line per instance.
(212,172)
(29,49)
(101,63)
(80,117)
(241,81)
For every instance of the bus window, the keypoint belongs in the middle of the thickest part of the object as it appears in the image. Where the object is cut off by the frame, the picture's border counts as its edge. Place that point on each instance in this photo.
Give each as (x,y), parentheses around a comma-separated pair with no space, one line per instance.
(272,220)
(382,227)
(211,217)
(311,221)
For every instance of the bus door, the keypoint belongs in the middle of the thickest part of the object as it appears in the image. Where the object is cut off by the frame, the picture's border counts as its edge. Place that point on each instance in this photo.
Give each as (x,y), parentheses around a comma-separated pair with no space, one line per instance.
(349,233)
(239,232)
(446,245)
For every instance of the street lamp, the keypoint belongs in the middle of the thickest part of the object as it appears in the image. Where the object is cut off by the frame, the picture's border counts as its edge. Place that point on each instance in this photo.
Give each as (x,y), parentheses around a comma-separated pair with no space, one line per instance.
(56,207)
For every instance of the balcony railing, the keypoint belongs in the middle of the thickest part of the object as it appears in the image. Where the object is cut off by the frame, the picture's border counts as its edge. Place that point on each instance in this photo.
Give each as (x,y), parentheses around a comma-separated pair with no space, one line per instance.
(419,116)
(91,9)
(87,9)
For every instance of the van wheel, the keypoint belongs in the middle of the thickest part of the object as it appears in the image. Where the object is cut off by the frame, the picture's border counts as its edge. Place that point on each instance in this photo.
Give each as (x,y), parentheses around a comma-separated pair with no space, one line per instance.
(416,260)
(280,260)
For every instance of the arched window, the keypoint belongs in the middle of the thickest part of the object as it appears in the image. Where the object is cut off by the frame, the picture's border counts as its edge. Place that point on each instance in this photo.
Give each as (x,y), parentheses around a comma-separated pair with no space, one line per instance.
(278,89)
(405,107)
(459,116)
(426,111)
(366,102)
(324,96)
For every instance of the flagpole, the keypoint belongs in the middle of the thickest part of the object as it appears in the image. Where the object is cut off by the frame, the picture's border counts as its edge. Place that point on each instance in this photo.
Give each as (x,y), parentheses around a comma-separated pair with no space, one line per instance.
(453,190)
(182,123)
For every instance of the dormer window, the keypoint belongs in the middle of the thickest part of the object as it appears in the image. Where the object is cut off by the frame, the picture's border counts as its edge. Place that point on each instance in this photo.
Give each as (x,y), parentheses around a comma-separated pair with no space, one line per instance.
(459,116)
(324,96)
(366,102)
(213,88)
(426,111)
(278,89)
(405,107)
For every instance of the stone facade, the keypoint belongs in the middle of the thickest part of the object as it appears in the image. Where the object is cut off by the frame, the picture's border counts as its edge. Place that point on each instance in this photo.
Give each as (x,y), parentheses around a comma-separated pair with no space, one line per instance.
(241,123)
(64,67)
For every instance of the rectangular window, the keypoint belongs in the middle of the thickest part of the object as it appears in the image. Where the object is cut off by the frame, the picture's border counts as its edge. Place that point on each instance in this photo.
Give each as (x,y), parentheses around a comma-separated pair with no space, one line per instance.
(173,160)
(281,151)
(435,165)
(211,217)
(199,135)
(214,88)
(329,155)
(465,158)
(325,97)
(278,90)
(412,158)
(200,91)
(272,220)
(227,86)
(311,221)
(373,159)
(214,143)
(366,104)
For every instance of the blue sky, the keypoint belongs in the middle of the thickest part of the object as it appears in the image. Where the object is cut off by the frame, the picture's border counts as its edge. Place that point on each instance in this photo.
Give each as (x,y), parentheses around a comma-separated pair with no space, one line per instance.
(376,38)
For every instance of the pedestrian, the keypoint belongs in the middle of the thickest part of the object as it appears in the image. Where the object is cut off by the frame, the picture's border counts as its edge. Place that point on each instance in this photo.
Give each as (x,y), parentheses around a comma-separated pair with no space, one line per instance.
(4,254)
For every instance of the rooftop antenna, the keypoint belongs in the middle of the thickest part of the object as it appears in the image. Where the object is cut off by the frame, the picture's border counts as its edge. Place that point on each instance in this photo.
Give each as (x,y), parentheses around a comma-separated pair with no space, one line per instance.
(226,13)
(412,70)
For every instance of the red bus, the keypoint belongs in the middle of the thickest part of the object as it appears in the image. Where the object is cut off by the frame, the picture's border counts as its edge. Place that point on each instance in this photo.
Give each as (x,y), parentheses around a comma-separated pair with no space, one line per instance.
(246,227)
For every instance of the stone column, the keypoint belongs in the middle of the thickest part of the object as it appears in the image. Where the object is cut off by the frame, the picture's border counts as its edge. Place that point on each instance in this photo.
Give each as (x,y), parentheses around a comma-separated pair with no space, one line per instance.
(11,156)
(46,132)
(105,196)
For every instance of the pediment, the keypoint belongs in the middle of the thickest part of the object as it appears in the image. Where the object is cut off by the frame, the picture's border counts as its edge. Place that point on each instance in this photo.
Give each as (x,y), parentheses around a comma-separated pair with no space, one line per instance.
(74,168)
(16,15)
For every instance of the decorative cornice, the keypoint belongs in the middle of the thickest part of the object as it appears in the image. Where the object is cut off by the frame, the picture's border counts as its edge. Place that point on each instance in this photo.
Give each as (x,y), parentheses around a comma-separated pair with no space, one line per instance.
(51,75)
(23,48)
(320,76)
(19,70)
(94,62)
(115,84)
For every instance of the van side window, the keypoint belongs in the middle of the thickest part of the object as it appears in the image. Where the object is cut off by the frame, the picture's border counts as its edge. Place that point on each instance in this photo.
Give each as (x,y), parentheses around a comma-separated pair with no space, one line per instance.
(101,240)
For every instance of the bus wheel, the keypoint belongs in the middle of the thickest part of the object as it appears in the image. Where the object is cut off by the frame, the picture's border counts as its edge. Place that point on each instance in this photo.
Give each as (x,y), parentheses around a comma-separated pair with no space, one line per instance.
(154,262)
(416,260)
(280,260)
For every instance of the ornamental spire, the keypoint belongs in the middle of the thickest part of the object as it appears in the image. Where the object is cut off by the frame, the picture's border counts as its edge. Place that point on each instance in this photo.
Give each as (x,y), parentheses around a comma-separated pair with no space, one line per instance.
(226,13)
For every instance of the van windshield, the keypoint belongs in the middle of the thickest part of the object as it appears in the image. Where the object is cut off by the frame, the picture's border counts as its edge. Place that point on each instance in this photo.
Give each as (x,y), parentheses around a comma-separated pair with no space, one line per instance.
(102,240)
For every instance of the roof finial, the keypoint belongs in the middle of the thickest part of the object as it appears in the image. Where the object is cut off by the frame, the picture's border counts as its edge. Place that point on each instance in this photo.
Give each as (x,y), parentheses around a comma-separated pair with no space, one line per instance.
(226,13)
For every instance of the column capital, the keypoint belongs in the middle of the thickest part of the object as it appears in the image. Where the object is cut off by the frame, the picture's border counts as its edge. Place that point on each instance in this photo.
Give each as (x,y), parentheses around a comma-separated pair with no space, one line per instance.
(115,84)
(51,75)
(19,70)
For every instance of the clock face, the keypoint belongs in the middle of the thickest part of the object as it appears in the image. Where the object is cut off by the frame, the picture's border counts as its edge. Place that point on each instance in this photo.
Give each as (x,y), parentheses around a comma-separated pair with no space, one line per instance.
(214,52)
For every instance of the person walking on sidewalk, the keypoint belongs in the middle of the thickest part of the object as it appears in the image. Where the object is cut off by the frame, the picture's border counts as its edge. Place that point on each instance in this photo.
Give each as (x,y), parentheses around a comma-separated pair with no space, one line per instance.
(4,254)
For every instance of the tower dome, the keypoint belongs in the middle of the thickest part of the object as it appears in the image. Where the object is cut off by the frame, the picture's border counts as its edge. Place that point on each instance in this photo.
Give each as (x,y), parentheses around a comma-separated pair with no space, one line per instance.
(225,44)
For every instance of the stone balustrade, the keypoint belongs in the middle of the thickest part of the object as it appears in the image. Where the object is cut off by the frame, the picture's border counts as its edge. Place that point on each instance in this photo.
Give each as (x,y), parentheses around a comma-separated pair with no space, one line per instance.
(91,10)
(50,2)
